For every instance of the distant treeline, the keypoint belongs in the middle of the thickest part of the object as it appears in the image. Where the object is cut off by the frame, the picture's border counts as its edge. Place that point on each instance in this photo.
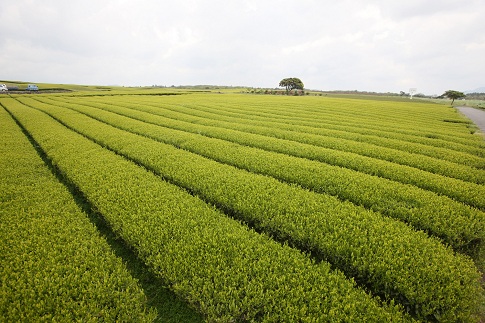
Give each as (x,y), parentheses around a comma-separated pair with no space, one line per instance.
(475,96)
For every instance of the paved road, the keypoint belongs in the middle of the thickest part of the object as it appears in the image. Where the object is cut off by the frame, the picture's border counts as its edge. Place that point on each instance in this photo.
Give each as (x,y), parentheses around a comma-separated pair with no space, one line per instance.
(475,115)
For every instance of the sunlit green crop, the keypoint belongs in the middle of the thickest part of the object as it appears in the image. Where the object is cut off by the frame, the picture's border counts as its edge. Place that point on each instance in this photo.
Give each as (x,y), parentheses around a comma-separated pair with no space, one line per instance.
(388,193)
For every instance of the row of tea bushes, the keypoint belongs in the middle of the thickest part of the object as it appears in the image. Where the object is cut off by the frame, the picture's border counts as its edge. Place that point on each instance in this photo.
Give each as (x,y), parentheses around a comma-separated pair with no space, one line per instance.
(307,120)
(442,161)
(413,122)
(267,138)
(385,255)
(457,224)
(54,266)
(465,192)
(228,272)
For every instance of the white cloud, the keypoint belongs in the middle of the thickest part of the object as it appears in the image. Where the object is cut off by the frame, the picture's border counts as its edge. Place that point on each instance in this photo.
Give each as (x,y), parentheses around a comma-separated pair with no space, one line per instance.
(372,45)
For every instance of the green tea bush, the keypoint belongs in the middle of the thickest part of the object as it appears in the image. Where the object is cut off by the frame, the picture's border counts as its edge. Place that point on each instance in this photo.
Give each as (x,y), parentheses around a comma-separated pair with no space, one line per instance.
(467,192)
(385,255)
(228,272)
(458,225)
(54,266)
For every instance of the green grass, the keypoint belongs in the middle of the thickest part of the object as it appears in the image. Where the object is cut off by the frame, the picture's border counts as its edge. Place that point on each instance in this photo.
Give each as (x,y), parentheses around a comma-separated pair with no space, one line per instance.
(467,103)
(118,90)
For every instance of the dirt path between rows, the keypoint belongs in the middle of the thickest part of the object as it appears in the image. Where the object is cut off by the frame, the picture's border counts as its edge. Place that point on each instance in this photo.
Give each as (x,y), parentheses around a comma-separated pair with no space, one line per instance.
(475,115)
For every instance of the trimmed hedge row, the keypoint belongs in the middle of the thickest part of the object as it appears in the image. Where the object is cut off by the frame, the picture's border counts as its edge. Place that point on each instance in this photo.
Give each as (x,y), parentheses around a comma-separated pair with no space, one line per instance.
(54,266)
(458,225)
(386,255)
(363,116)
(230,273)
(303,119)
(469,193)
(340,140)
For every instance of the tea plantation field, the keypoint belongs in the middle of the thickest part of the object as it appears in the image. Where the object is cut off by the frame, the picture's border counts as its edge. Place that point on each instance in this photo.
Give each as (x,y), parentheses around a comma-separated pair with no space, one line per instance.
(190,207)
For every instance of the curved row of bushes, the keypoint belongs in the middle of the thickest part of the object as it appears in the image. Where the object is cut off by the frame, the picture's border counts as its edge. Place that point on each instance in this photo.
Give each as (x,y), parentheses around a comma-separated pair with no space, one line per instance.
(318,121)
(385,255)
(340,140)
(458,225)
(395,119)
(228,272)
(54,266)
(466,192)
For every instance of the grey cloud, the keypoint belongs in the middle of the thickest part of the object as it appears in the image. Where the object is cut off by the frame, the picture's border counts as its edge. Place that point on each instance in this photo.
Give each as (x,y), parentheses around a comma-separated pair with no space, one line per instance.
(373,45)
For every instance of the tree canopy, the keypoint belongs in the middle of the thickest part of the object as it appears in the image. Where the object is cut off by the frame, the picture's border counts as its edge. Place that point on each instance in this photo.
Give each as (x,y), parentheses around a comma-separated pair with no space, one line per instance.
(291,83)
(451,94)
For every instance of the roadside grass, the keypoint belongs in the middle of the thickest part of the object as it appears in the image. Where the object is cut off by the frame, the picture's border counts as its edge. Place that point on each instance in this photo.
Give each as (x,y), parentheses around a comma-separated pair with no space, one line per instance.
(480,104)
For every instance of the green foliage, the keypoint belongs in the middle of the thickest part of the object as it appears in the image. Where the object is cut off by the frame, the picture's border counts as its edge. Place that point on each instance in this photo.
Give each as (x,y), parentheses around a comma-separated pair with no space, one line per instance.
(54,266)
(227,271)
(273,137)
(442,161)
(460,226)
(292,83)
(385,255)
(453,95)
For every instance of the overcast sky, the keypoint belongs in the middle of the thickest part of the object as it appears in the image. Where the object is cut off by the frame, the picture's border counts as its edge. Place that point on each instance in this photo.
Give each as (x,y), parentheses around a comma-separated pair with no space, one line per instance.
(366,45)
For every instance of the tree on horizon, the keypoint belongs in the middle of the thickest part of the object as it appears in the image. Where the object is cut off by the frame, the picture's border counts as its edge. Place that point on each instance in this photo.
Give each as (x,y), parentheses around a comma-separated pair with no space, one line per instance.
(291,83)
(453,95)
